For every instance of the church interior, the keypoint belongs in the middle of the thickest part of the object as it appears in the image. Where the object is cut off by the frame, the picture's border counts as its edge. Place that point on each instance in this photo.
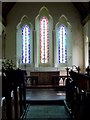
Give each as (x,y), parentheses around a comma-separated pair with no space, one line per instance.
(45,61)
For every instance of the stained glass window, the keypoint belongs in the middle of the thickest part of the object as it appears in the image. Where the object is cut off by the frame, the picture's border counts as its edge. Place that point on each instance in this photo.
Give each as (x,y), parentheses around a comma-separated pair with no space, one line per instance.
(25,44)
(44,40)
(62,47)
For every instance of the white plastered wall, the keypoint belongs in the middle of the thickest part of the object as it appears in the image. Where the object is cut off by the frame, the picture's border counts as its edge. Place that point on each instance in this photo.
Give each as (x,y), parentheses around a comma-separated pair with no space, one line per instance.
(56,10)
(86,30)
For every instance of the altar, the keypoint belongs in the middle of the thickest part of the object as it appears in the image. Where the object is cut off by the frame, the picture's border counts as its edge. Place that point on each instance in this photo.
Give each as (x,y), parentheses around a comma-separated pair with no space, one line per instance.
(45,77)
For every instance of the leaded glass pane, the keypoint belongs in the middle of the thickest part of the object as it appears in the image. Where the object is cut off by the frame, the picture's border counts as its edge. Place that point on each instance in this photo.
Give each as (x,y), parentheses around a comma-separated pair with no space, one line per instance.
(25,44)
(44,40)
(62,47)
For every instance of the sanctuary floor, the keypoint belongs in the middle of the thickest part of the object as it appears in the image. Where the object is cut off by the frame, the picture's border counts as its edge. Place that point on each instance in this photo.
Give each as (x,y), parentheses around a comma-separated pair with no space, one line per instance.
(42,95)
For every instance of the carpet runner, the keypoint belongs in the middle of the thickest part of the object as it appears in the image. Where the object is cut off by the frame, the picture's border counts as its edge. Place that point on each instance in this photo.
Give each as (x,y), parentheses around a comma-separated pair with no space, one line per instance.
(46,112)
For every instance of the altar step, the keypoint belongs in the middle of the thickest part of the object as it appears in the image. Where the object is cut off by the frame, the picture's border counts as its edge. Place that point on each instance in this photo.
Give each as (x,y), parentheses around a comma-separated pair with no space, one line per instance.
(46,87)
(45,102)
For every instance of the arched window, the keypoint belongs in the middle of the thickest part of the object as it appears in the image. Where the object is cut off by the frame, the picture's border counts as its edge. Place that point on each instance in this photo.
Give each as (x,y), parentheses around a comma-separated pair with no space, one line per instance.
(25,44)
(44,44)
(63,40)
(62,46)
(44,40)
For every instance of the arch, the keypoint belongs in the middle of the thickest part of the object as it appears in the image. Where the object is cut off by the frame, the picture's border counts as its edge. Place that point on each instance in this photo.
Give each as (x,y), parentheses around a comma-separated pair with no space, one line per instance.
(44,27)
(24,42)
(63,37)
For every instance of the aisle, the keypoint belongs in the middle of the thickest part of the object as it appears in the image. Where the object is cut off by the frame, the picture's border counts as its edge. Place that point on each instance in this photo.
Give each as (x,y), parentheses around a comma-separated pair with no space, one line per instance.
(46,112)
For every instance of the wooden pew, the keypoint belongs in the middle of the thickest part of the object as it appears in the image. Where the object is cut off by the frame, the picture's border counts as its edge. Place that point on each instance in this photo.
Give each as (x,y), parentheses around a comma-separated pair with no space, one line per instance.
(77,91)
(6,92)
(22,90)
(81,81)
(18,101)
(12,104)
(3,106)
(15,105)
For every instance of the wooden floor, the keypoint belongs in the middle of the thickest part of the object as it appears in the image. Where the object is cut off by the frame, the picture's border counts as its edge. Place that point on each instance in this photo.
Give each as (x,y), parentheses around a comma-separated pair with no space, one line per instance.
(42,95)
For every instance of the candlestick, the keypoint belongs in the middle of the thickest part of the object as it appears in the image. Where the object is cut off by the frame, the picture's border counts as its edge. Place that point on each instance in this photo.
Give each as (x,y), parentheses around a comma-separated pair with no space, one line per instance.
(25,63)
(25,60)
(19,62)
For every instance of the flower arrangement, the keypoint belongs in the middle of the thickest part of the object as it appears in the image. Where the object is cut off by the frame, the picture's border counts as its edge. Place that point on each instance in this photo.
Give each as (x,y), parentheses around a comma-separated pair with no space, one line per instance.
(7,64)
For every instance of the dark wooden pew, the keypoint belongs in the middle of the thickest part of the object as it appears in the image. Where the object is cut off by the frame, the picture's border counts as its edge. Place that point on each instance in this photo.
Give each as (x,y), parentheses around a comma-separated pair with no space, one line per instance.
(13,80)
(81,80)
(78,95)
(6,92)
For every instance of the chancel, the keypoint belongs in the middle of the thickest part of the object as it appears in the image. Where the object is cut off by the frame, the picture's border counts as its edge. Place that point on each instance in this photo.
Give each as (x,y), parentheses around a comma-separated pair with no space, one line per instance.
(45,60)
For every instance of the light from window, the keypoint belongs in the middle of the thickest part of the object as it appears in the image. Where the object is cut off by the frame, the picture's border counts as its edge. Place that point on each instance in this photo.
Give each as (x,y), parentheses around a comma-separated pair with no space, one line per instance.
(62,48)
(25,44)
(44,40)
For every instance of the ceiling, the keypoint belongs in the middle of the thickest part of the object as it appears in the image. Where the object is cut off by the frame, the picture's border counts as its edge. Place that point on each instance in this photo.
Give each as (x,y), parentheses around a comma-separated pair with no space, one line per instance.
(6,7)
(82,7)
